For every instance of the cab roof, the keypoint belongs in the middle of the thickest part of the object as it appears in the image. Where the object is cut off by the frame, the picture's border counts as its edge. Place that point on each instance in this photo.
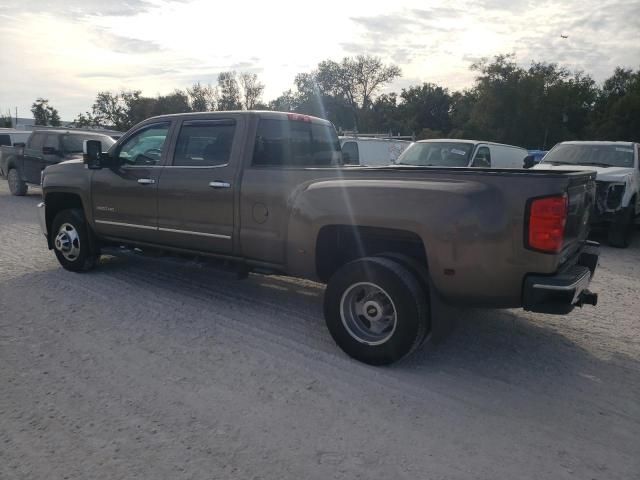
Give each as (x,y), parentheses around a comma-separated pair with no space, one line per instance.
(473,142)
(597,142)
(373,139)
(70,132)
(259,113)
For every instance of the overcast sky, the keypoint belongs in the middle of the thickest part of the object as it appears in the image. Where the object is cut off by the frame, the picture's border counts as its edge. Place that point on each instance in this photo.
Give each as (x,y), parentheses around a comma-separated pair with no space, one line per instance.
(69,50)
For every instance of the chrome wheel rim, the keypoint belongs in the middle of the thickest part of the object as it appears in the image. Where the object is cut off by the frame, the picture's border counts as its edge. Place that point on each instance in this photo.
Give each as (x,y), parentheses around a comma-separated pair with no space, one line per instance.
(368,313)
(67,242)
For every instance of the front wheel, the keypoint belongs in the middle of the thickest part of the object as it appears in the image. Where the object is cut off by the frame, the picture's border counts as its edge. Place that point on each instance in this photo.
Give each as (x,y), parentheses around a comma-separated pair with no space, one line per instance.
(376,310)
(73,243)
(17,186)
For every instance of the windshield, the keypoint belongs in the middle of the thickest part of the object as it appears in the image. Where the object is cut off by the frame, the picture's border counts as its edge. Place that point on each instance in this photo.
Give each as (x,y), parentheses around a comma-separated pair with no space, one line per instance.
(74,143)
(437,154)
(597,155)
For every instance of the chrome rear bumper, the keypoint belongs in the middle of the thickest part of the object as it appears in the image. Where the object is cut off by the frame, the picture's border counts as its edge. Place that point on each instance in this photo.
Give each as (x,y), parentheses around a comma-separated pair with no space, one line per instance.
(561,292)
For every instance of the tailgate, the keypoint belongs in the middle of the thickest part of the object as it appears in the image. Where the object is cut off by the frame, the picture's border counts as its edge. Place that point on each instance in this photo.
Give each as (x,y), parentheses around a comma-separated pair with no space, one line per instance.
(581,192)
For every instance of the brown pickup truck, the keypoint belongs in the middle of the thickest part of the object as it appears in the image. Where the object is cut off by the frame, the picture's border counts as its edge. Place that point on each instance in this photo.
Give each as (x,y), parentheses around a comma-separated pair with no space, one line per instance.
(268,191)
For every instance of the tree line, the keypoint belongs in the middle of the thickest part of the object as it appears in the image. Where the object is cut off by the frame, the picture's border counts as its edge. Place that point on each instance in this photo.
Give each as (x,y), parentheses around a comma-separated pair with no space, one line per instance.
(533,107)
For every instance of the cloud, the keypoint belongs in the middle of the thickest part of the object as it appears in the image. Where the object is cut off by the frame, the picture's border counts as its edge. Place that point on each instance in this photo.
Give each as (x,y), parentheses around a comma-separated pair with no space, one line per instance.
(437,13)
(159,45)
(599,38)
(395,36)
(387,24)
(129,73)
(122,44)
(77,8)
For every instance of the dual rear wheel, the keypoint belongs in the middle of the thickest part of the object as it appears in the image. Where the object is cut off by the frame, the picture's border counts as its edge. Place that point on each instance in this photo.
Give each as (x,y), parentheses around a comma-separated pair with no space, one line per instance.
(376,308)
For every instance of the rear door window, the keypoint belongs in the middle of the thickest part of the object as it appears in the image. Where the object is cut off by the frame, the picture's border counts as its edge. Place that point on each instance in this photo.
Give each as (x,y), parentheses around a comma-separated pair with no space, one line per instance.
(351,153)
(296,143)
(5,140)
(204,143)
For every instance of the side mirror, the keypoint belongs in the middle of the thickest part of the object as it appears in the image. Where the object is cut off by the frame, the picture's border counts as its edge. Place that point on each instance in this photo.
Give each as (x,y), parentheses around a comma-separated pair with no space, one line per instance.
(49,151)
(92,151)
(19,144)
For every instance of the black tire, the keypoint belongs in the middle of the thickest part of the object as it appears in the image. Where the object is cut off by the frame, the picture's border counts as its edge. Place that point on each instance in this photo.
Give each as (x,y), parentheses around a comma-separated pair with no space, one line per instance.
(420,271)
(83,253)
(17,186)
(621,230)
(405,297)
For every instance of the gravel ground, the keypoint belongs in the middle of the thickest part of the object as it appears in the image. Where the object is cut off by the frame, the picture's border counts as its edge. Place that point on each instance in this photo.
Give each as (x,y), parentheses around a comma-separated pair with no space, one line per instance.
(167,369)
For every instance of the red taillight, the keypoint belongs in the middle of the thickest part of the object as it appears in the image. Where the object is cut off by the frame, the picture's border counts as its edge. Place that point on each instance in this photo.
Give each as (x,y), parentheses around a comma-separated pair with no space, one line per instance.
(547,219)
(299,118)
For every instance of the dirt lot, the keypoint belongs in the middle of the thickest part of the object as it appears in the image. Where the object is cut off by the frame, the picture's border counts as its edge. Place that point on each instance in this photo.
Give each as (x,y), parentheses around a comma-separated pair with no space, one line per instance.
(159,368)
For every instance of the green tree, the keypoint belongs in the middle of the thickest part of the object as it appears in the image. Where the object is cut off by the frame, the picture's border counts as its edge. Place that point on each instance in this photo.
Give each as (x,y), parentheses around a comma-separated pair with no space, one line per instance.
(6,121)
(44,114)
(229,92)
(252,90)
(286,102)
(113,109)
(616,115)
(54,119)
(202,98)
(535,107)
(462,104)
(175,102)
(123,110)
(386,116)
(356,80)
(83,120)
(426,107)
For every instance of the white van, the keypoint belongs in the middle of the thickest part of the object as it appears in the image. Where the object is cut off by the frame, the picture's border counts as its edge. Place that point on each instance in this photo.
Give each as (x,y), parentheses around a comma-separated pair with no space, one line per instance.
(463,153)
(11,136)
(371,151)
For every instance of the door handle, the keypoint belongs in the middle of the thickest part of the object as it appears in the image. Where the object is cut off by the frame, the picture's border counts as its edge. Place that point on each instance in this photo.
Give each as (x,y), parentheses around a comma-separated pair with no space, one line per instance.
(146,181)
(219,184)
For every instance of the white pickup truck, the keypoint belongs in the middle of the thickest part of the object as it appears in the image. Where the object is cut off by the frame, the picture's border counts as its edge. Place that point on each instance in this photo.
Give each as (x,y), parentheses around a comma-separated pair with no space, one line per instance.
(617,165)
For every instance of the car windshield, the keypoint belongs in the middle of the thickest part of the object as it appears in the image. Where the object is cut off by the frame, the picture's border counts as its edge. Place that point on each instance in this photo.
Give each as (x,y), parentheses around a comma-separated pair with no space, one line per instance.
(596,155)
(437,154)
(74,143)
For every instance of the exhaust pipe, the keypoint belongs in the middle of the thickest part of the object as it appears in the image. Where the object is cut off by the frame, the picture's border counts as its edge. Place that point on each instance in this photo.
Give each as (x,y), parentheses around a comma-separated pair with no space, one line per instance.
(587,298)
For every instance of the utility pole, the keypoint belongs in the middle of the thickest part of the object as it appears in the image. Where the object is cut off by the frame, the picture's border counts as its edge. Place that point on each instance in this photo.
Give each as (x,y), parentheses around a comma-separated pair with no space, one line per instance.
(16,124)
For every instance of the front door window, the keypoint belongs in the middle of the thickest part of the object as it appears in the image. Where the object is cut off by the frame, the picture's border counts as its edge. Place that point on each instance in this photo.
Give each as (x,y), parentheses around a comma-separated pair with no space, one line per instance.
(145,147)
